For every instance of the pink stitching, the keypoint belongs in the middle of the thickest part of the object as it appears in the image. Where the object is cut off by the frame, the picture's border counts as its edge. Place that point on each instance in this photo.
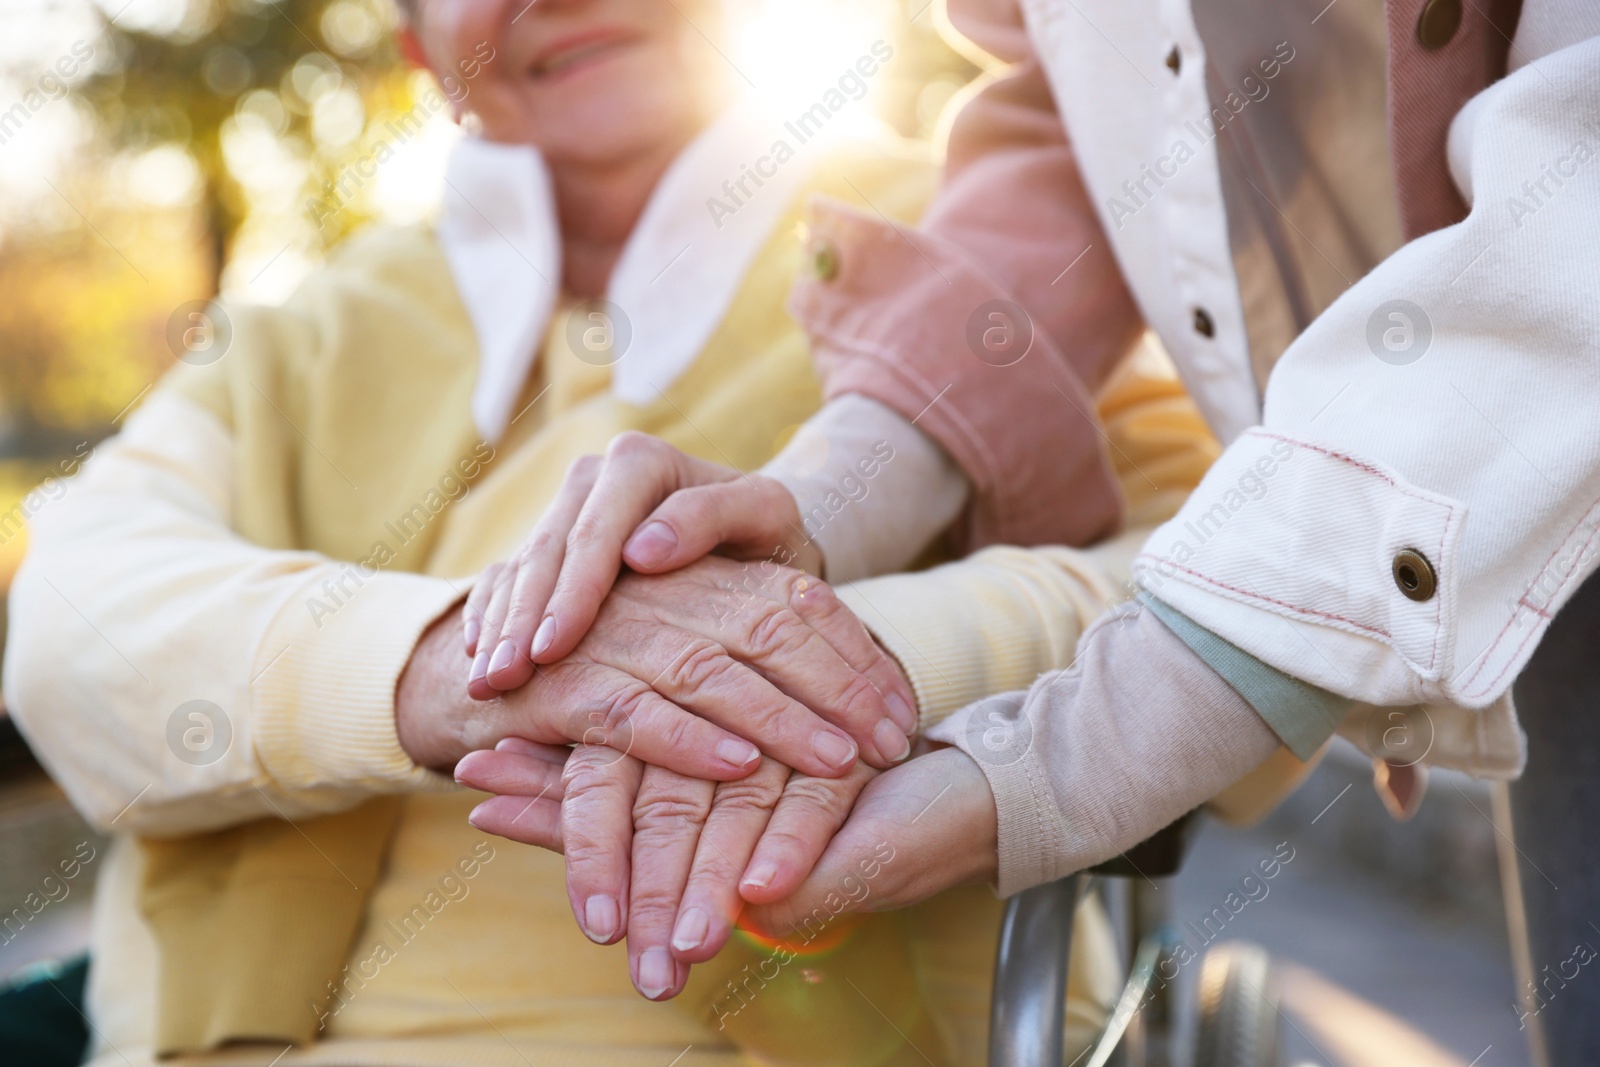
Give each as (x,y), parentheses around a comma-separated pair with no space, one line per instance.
(1374,471)
(1497,637)
(1450,511)
(1327,452)
(1268,599)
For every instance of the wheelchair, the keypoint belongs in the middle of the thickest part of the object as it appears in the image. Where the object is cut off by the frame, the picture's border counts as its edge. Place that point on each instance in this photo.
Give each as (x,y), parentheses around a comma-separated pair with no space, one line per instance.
(1238,1022)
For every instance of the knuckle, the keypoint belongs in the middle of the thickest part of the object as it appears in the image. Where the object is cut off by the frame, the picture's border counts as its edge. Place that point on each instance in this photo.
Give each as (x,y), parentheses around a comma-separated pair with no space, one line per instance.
(695,507)
(813,796)
(706,664)
(672,811)
(542,544)
(516,615)
(587,528)
(812,594)
(669,806)
(860,701)
(587,856)
(584,776)
(633,444)
(629,705)
(585,467)
(745,796)
(772,629)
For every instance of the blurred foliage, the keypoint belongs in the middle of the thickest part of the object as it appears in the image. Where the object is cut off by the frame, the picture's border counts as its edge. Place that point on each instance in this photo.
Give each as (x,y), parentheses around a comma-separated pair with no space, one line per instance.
(238,114)
(259,106)
(303,70)
(215,130)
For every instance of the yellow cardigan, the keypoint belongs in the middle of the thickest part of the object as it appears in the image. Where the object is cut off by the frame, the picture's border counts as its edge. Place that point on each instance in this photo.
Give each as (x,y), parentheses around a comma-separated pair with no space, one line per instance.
(364,927)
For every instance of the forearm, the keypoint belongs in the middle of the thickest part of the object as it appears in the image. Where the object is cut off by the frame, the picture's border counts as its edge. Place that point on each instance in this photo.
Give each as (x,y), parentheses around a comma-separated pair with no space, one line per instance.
(871,488)
(135,579)
(1092,760)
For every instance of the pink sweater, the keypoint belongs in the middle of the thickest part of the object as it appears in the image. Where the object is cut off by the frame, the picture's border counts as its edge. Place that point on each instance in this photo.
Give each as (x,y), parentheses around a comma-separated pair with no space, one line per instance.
(1009,223)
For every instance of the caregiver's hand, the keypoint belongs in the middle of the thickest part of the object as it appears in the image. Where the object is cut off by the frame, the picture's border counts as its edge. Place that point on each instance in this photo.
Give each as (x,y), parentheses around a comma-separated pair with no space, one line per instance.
(645,504)
(660,855)
(685,674)
(923,827)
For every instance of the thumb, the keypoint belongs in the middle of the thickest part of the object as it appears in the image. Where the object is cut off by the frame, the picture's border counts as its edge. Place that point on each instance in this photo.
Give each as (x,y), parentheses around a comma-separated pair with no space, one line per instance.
(751,516)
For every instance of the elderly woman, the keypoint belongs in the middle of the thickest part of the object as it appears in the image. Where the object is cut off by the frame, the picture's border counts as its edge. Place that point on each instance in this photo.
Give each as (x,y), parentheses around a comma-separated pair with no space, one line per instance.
(238,642)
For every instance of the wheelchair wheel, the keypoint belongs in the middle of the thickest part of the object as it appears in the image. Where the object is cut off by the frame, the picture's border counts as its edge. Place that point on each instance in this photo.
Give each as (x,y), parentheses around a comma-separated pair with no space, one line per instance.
(1239,1022)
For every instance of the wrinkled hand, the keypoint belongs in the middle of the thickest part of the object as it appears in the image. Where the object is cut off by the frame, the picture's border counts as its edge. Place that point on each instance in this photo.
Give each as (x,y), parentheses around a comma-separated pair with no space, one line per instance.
(690,671)
(668,859)
(645,504)
(923,827)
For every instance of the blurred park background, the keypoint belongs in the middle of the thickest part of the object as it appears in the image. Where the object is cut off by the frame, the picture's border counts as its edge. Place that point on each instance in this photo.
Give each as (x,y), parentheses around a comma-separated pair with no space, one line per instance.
(158,152)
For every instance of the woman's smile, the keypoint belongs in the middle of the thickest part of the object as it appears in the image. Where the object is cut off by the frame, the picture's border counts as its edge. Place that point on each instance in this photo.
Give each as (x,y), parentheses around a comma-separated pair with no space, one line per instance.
(581,51)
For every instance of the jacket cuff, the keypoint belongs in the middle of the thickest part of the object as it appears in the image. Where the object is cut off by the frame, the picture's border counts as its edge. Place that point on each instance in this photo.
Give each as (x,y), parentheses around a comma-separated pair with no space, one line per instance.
(324,684)
(1285,528)
(903,317)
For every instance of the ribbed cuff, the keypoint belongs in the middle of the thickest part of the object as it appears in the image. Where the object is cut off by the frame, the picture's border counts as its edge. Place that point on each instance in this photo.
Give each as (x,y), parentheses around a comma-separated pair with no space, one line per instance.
(1029,827)
(324,686)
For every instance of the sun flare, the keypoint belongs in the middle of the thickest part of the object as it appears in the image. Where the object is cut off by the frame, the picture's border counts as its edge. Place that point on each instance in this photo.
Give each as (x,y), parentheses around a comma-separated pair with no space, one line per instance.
(794,53)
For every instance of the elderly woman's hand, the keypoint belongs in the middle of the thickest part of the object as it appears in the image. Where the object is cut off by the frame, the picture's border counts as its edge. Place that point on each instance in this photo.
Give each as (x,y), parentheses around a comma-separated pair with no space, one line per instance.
(675,862)
(692,671)
(644,504)
(666,858)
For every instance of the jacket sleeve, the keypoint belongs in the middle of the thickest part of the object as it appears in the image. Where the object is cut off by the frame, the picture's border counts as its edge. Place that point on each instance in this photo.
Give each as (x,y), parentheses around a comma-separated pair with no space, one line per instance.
(1424,492)
(169,673)
(994,323)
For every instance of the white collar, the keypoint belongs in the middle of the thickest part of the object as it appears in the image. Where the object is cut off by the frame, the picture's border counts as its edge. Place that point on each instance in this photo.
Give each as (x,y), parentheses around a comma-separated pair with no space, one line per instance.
(674,281)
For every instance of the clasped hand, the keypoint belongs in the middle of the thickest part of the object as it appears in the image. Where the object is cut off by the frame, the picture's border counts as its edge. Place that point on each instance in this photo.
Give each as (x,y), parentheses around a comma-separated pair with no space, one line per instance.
(671,821)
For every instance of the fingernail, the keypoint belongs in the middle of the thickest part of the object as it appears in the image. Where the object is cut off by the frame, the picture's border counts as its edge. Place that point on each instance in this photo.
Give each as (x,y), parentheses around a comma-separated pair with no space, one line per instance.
(691,930)
(480,666)
(472,816)
(891,740)
(545,636)
(904,715)
(504,653)
(601,917)
(652,544)
(738,753)
(657,972)
(761,875)
(832,749)
(471,629)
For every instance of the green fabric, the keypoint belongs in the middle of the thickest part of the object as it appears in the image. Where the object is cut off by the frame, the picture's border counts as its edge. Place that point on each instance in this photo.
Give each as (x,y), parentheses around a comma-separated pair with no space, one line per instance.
(1302,715)
(41,1015)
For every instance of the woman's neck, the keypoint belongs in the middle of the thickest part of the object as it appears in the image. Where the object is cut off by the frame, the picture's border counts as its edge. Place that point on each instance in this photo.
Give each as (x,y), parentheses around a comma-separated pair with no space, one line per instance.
(598,207)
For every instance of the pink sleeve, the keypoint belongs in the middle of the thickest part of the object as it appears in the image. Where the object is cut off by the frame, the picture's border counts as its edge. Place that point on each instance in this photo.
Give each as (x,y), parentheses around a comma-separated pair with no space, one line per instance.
(898,314)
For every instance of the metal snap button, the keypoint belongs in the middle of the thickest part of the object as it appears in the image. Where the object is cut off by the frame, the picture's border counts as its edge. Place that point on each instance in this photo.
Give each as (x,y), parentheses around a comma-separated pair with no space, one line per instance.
(1438,23)
(824,258)
(1413,575)
(1174,60)
(1203,324)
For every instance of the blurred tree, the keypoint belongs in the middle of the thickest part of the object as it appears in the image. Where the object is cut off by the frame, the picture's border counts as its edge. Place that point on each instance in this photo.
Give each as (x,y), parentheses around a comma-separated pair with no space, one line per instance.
(301,69)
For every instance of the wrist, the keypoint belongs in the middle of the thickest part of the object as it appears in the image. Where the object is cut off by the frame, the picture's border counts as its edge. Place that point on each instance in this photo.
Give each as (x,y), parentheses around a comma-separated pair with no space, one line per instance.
(435,721)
